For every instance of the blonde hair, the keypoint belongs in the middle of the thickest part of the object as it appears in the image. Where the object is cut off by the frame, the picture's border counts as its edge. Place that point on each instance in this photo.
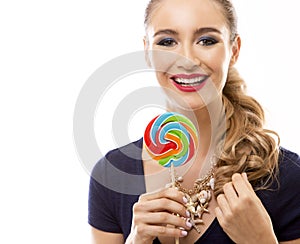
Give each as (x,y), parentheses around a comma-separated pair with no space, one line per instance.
(251,149)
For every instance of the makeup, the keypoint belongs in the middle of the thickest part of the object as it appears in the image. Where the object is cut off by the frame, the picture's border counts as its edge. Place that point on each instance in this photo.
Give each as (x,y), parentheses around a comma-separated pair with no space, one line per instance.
(189,82)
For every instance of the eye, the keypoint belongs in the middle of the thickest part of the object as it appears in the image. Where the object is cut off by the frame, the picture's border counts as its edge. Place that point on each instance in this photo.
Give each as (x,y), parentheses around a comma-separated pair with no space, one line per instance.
(167,42)
(207,41)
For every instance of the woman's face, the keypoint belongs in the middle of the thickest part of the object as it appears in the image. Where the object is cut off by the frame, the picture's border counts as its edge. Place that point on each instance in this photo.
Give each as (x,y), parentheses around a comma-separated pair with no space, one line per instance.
(196,46)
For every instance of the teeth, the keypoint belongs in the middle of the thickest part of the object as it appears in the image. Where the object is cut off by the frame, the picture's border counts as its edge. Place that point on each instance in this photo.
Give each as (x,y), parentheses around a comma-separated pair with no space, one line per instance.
(193,81)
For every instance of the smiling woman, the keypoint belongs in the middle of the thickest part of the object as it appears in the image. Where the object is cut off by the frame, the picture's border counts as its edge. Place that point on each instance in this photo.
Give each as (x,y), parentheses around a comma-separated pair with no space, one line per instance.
(199,34)
(193,46)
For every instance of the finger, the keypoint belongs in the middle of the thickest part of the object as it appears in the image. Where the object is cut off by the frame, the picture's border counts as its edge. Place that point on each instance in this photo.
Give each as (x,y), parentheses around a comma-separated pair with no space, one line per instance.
(170,193)
(240,185)
(245,177)
(166,231)
(161,205)
(230,194)
(223,204)
(220,216)
(251,190)
(163,218)
(247,196)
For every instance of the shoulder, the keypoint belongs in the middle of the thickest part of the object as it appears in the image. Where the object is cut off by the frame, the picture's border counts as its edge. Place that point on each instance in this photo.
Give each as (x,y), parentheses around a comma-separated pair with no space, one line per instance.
(124,158)
(289,169)
(115,184)
(287,176)
(121,169)
(289,157)
(283,198)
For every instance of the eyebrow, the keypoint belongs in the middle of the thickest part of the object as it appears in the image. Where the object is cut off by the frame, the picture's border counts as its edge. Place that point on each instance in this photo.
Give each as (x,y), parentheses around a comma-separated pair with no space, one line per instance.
(166,31)
(199,31)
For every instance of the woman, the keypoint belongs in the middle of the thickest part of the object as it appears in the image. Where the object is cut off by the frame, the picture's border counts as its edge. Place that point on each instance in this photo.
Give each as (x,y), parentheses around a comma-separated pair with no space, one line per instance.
(193,46)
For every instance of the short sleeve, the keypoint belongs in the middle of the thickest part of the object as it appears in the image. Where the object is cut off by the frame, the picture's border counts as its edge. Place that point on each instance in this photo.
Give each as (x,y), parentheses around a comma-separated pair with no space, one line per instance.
(116,182)
(101,209)
(282,201)
(289,228)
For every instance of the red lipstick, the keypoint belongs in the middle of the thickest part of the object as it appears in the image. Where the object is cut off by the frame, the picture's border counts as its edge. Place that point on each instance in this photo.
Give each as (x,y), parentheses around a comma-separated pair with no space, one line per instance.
(189,82)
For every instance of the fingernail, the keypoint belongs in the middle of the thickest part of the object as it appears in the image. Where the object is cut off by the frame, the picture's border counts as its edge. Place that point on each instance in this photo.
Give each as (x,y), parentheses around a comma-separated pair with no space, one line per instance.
(245,175)
(187,213)
(184,233)
(188,223)
(185,200)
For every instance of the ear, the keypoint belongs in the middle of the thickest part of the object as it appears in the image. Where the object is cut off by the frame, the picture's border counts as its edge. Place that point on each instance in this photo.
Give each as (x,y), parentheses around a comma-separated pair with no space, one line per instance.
(236,46)
(146,50)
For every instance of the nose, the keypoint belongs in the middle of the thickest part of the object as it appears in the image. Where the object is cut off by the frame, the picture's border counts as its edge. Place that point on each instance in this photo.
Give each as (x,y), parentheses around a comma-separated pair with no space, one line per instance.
(188,59)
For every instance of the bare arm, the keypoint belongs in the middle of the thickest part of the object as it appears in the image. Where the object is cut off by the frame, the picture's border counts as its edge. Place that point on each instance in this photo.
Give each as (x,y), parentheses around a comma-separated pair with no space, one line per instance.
(101,237)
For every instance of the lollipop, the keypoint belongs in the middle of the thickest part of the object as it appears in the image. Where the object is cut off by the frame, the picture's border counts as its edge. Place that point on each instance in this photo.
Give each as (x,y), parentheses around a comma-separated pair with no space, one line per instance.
(171,139)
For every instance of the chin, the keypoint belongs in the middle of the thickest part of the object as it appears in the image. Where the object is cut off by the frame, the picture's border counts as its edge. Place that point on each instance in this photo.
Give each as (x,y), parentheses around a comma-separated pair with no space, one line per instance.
(188,104)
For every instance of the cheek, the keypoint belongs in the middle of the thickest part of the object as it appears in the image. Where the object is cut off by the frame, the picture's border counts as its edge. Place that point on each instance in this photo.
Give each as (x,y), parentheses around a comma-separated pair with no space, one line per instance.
(214,58)
(161,60)
(161,78)
(217,61)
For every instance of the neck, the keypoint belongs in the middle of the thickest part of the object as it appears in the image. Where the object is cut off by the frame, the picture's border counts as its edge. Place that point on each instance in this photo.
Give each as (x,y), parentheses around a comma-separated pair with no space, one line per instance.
(210,123)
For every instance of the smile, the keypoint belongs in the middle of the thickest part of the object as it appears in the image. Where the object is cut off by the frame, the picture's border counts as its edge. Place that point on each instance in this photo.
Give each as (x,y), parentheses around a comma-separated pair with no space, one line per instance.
(189,83)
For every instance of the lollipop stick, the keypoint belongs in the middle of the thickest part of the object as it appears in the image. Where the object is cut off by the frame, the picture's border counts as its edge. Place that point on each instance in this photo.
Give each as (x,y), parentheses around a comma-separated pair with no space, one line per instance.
(171,136)
(173,185)
(173,175)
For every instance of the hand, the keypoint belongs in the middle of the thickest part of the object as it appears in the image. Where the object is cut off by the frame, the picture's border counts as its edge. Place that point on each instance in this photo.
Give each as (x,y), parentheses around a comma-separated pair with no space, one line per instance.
(241,213)
(156,214)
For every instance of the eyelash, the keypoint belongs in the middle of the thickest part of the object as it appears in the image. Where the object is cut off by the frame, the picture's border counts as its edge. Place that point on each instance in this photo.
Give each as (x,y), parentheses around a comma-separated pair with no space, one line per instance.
(166,42)
(206,41)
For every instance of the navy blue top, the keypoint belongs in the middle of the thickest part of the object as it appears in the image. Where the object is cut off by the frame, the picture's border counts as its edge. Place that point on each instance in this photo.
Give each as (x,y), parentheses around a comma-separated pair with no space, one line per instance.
(117,181)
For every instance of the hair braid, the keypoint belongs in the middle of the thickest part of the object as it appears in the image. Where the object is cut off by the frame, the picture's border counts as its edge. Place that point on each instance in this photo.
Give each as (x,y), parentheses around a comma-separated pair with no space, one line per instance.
(251,148)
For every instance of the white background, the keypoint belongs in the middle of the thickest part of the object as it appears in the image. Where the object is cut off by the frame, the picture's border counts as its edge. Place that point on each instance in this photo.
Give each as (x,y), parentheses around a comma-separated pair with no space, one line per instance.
(48,49)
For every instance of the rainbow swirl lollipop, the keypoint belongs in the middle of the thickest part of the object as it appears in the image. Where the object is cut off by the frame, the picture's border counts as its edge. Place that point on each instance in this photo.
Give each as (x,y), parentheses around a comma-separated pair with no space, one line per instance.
(171,139)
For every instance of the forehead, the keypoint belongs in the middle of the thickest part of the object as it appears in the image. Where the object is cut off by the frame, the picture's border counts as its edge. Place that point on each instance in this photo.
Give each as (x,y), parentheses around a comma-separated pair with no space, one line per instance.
(187,14)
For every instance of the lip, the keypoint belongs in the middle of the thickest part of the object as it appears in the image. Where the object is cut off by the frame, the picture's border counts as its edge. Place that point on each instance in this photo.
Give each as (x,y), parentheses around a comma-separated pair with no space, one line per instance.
(186,87)
(188,76)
